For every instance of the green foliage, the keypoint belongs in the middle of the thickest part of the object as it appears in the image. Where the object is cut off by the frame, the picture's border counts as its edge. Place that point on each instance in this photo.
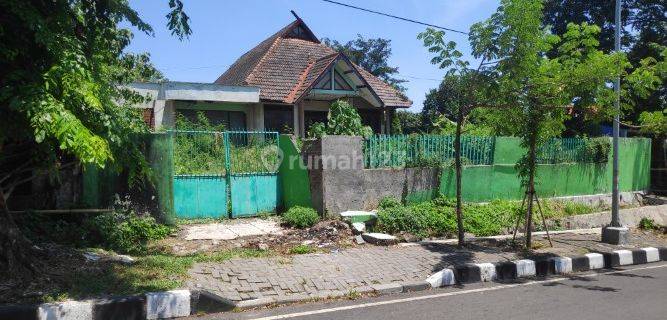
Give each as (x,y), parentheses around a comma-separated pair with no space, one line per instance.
(317,130)
(301,217)
(301,249)
(654,123)
(61,85)
(597,149)
(126,232)
(343,119)
(421,220)
(648,224)
(370,54)
(437,217)
(406,122)
(389,202)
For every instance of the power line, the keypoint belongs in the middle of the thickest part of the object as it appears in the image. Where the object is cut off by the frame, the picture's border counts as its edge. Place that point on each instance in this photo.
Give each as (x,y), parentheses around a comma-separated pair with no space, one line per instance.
(395,17)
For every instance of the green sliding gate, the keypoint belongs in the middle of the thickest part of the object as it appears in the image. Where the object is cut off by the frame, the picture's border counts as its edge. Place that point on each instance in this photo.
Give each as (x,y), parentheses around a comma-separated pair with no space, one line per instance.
(225,174)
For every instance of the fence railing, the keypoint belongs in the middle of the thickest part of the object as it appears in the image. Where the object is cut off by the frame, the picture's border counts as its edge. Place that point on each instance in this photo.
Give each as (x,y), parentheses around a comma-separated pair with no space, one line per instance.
(425,150)
(220,152)
(572,150)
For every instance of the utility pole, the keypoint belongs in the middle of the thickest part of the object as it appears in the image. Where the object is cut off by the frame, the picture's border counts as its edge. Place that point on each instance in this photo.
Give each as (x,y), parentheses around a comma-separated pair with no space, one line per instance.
(615,233)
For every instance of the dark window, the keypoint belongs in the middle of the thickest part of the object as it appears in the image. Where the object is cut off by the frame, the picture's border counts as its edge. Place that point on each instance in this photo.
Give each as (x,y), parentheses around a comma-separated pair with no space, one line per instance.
(279,118)
(340,83)
(232,120)
(371,118)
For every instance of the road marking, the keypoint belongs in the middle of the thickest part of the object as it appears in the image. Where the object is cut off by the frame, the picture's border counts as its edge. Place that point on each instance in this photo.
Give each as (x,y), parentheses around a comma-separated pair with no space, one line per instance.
(447,294)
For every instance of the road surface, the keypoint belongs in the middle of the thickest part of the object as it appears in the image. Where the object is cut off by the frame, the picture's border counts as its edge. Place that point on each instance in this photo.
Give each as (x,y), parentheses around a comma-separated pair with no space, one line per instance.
(638,292)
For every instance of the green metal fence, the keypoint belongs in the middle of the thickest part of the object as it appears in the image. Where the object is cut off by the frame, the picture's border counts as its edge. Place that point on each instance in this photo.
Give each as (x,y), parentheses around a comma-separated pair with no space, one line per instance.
(221,174)
(424,150)
(574,150)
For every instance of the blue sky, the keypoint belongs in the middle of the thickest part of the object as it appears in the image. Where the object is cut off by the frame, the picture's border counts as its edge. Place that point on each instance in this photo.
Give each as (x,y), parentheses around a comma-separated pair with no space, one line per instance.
(223,30)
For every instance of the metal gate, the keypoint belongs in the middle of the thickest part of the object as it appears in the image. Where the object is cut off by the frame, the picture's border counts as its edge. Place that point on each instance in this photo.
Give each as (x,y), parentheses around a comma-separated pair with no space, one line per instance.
(225,174)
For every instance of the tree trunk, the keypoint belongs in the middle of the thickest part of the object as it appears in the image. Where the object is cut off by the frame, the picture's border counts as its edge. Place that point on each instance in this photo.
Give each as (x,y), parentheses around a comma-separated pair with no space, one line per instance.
(457,164)
(16,252)
(530,189)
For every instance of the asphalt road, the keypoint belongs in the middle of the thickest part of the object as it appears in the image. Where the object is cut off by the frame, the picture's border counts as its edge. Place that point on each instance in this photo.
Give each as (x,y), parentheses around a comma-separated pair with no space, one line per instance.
(638,292)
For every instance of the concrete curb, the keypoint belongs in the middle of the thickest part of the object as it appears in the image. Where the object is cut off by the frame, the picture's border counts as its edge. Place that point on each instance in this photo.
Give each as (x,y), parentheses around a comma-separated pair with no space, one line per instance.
(182,303)
(526,268)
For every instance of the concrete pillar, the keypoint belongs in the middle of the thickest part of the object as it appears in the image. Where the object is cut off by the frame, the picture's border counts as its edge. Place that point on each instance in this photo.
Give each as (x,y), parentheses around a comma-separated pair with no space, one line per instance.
(163,113)
(295,117)
(259,117)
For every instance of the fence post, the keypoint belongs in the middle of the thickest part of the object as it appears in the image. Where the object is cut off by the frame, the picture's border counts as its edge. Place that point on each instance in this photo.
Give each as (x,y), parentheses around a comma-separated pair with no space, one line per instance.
(228,173)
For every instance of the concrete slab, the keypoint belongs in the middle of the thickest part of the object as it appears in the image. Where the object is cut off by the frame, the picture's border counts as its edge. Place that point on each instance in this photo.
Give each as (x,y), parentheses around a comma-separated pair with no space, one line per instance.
(379,238)
(232,230)
(358,216)
(70,310)
(168,304)
(388,288)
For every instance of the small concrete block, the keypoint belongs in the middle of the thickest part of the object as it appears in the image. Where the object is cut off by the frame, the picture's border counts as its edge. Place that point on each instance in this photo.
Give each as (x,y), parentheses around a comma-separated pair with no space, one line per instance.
(544,267)
(168,304)
(487,271)
(595,261)
(69,310)
(130,308)
(468,273)
(18,312)
(254,303)
(525,268)
(358,216)
(416,286)
(388,288)
(563,265)
(652,254)
(580,263)
(358,227)
(663,253)
(615,235)
(506,270)
(208,302)
(639,256)
(624,257)
(359,239)
(379,238)
(291,298)
(444,277)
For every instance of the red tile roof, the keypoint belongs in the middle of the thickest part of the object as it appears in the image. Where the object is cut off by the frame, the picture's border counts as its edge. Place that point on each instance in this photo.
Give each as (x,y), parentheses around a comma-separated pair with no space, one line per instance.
(286,64)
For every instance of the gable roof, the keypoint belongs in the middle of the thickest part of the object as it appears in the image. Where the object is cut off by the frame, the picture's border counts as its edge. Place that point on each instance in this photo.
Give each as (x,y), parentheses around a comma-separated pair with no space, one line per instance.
(286,65)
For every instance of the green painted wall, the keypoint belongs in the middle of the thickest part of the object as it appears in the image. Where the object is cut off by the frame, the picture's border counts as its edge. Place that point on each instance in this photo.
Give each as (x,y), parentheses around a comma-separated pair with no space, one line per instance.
(293,176)
(500,180)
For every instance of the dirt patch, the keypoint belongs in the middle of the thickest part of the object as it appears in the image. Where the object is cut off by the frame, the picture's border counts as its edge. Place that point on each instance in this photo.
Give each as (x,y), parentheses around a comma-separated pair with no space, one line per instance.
(324,236)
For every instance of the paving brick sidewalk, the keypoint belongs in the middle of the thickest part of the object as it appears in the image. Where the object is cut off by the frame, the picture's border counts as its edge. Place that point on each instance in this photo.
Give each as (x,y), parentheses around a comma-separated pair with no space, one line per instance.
(321,275)
(358,269)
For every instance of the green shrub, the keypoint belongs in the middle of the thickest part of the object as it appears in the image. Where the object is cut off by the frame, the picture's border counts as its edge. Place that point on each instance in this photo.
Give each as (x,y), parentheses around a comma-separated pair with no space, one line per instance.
(388,202)
(126,233)
(647,224)
(597,149)
(300,217)
(422,220)
(301,249)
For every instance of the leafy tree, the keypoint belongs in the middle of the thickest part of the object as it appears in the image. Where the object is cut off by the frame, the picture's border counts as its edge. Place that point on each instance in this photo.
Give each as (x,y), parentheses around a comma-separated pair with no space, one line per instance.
(644,37)
(61,98)
(343,119)
(536,90)
(372,55)
(460,92)
(406,122)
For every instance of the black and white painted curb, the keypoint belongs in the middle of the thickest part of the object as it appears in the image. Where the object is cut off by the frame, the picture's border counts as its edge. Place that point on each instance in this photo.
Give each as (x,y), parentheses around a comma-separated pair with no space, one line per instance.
(182,303)
(510,270)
